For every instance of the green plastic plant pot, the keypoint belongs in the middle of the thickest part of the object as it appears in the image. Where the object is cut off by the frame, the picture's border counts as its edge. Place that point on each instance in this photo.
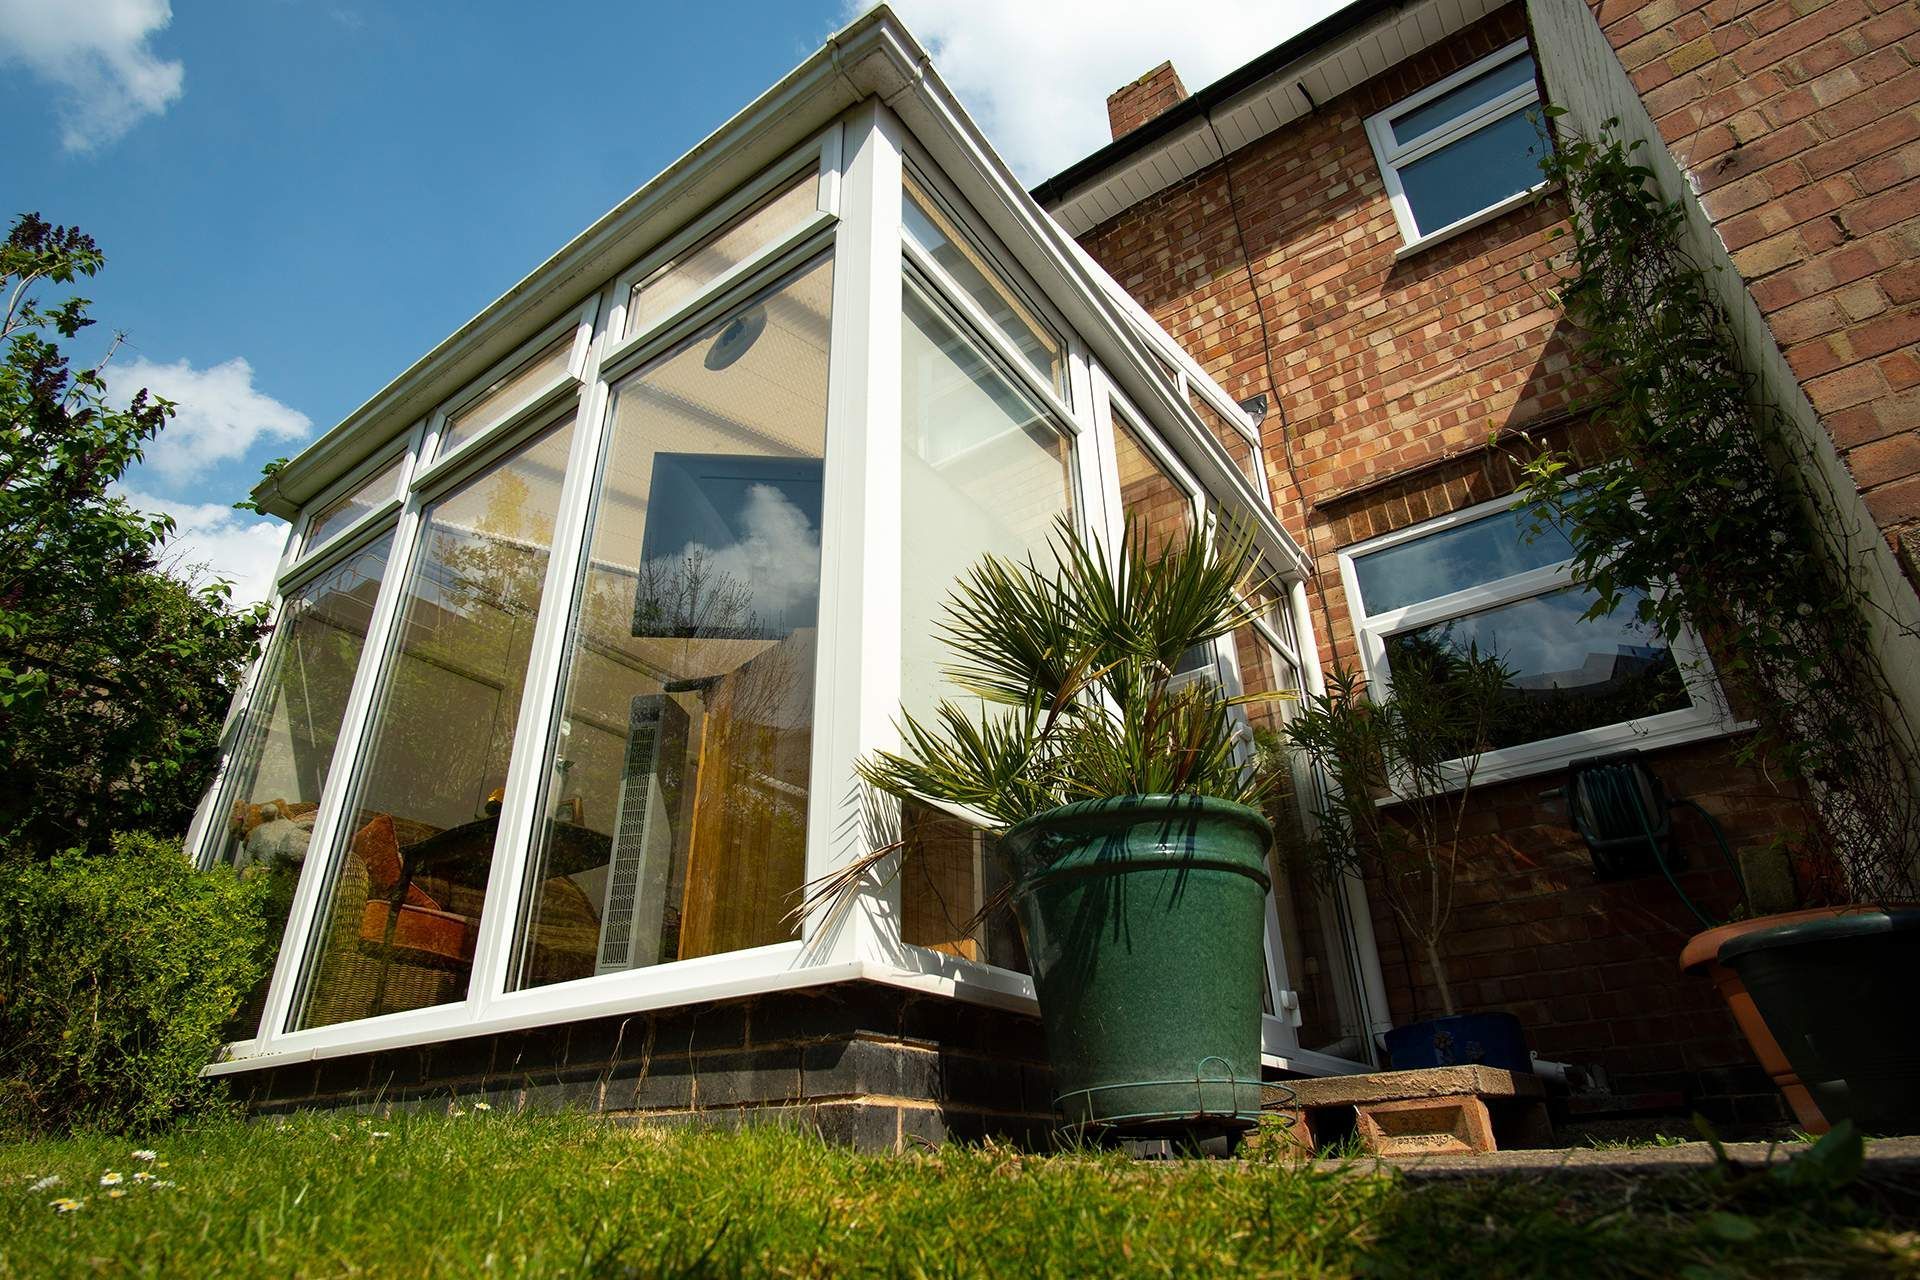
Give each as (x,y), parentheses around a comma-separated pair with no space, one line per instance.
(1144,918)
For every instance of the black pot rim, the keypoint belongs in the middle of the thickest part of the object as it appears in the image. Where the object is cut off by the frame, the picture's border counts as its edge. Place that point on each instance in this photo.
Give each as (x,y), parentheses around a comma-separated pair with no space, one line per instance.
(1852,924)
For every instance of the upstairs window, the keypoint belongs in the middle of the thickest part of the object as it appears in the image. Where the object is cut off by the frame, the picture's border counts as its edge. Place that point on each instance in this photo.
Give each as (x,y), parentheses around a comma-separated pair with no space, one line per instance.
(1482,580)
(1464,150)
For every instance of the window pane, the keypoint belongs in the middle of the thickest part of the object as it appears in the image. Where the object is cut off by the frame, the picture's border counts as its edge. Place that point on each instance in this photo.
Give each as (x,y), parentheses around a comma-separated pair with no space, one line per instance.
(982,470)
(950,875)
(1455,103)
(281,762)
(506,394)
(354,505)
(1453,559)
(1568,674)
(662,293)
(1485,167)
(404,908)
(1154,503)
(676,802)
(1238,447)
(930,228)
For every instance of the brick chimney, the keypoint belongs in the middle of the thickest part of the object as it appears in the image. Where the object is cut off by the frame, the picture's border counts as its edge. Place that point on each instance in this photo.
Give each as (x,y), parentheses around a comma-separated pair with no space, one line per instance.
(1131,106)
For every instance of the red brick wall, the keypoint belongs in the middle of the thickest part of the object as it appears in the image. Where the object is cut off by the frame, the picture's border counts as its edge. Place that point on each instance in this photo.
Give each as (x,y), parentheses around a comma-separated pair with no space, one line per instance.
(1798,121)
(1389,377)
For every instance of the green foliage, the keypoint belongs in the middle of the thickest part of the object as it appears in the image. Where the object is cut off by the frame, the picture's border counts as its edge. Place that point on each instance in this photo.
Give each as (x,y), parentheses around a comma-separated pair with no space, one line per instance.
(1422,745)
(1073,671)
(1722,519)
(114,673)
(117,977)
(562,1195)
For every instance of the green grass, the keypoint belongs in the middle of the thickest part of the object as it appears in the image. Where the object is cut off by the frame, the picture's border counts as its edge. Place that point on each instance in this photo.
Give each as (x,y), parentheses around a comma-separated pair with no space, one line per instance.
(485,1194)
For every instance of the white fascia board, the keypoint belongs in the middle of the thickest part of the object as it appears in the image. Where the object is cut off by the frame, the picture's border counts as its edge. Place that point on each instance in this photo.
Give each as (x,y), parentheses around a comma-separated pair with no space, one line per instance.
(805,101)
(1273,103)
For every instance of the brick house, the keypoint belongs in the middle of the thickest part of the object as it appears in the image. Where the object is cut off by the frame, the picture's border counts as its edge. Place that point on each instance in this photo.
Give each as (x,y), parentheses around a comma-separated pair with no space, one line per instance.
(585,618)
(1268,224)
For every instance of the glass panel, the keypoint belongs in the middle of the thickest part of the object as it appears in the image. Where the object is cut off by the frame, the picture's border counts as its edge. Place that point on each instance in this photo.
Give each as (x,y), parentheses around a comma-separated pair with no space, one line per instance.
(1464,555)
(662,293)
(982,470)
(404,908)
(505,395)
(1154,503)
(1569,673)
(1308,926)
(1455,103)
(929,227)
(676,804)
(346,510)
(1238,447)
(950,877)
(1460,179)
(281,763)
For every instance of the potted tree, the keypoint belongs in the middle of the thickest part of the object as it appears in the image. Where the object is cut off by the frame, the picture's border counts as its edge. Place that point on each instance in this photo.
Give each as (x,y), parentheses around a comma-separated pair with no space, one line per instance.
(1400,772)
(1121,803)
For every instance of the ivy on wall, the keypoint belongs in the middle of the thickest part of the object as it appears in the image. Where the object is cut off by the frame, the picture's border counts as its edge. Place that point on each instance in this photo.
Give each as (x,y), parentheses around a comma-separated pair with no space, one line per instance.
(1717,512)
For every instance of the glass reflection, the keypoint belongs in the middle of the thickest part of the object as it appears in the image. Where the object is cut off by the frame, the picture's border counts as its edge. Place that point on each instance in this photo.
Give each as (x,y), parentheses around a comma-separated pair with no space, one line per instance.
(403,911)
(676,802)
(1569,672)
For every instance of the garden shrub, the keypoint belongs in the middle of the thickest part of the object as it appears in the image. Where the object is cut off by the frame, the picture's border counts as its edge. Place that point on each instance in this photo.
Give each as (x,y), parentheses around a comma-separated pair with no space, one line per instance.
(117,977)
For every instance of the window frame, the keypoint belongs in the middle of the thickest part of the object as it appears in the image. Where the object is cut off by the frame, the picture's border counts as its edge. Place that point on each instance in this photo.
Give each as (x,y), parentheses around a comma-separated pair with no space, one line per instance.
(1391,155)
(1709,716)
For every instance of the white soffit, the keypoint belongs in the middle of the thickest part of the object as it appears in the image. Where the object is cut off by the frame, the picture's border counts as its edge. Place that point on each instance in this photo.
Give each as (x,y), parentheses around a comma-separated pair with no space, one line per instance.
(1263,108)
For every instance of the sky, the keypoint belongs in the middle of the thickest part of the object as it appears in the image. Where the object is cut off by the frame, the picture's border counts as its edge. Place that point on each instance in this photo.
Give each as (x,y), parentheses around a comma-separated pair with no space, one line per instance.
(299,198)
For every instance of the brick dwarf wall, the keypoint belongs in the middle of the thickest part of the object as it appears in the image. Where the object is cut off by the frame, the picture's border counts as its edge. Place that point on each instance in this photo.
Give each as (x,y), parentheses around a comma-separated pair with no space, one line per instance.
(1798,124)
(869,1065)
(1388,379)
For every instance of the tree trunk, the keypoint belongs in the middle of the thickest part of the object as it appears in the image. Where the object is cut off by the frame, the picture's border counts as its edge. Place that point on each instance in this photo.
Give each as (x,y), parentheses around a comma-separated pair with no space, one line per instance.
(1440,975)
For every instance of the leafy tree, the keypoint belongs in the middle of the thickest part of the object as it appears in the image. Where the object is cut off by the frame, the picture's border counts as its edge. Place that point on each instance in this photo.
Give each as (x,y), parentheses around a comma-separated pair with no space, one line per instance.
(114,672)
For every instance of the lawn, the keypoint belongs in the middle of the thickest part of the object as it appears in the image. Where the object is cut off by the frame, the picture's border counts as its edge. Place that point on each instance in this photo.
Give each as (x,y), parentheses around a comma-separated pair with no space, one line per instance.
(486,1194)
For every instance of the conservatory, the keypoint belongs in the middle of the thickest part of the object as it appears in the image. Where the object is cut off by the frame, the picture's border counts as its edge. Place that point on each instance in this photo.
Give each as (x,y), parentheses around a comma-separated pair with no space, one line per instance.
(584,620)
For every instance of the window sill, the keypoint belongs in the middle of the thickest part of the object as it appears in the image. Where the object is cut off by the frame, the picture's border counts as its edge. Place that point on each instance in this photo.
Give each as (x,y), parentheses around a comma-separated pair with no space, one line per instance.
(1468,223)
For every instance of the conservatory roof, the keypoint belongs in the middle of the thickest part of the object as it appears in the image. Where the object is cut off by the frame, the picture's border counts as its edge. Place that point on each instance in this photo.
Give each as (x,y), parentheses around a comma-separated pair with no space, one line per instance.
(873,57)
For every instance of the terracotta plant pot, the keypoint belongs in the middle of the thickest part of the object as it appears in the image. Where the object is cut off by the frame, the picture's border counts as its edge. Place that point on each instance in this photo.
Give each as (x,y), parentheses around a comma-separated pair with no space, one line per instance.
(1702,952)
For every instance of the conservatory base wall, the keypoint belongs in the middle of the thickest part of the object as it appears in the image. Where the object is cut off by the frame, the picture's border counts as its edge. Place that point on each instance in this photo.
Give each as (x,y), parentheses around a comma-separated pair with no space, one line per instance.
(871,1066)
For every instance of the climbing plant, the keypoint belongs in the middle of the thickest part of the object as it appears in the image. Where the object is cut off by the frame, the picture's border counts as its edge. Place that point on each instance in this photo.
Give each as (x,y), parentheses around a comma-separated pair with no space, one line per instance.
(1716,514)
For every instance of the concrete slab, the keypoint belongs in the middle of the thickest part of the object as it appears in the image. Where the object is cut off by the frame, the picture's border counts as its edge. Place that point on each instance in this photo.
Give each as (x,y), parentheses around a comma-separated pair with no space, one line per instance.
(1886,1157)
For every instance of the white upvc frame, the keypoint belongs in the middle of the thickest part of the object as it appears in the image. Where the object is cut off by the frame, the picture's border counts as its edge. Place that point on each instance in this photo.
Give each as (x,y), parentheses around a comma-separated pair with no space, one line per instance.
(435,465)
(1059,400)
(821,155)
(1392,154)
(1708,716)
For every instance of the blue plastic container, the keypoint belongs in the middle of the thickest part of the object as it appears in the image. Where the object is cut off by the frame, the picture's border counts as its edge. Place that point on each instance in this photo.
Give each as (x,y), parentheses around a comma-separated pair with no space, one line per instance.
(1465,1039)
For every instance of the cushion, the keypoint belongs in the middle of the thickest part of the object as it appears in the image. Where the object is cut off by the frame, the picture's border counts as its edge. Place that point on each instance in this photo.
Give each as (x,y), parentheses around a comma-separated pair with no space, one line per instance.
(376,847)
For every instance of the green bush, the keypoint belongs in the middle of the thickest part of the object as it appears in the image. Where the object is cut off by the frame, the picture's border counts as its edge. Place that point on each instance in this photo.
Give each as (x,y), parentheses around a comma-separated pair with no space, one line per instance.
(117,977)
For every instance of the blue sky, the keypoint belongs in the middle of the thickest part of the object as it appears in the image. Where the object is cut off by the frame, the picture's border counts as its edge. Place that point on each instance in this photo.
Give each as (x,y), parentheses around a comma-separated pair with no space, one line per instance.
(297,198)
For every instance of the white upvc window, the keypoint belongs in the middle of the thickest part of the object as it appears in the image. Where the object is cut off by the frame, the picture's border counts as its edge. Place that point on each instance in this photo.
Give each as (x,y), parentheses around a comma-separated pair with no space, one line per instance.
(1463,151)
(1486,579)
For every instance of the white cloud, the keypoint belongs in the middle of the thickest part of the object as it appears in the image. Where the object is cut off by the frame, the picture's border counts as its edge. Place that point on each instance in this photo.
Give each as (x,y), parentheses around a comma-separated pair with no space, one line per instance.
(1036,74)
(214,541)
(776,559)
(97,55)
(219,414)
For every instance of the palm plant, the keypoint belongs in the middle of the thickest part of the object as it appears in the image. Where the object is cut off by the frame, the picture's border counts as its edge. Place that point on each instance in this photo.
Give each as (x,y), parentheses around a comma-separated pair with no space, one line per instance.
(1071,691)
